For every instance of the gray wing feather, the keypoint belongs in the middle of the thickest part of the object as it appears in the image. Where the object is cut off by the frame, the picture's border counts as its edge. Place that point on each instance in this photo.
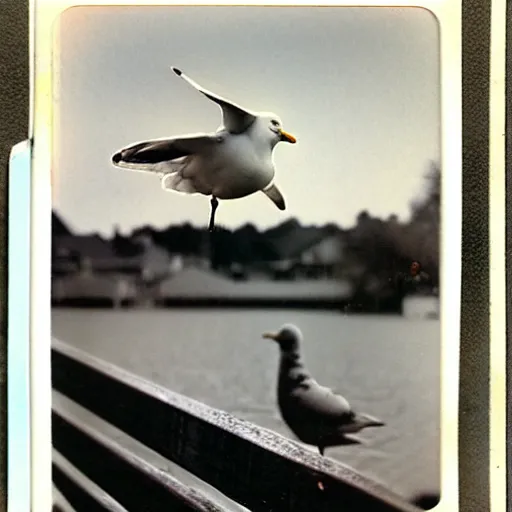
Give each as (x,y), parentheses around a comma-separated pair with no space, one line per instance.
(235,118)
(320,401)
(164,150)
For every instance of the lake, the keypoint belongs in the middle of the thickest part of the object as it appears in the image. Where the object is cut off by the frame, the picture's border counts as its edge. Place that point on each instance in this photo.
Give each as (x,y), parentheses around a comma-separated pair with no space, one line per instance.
(387,366)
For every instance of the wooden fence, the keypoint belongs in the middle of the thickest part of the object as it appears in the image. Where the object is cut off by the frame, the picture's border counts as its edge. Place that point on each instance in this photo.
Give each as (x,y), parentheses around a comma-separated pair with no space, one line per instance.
(229,464)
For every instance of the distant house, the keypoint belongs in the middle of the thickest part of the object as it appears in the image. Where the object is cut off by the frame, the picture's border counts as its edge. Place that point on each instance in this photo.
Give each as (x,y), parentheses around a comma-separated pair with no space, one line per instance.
(195,283)
(78,263)
(300,251)
(70,253)
(184,244)
(89,288)
(64,260)
(195,286)
(324,256)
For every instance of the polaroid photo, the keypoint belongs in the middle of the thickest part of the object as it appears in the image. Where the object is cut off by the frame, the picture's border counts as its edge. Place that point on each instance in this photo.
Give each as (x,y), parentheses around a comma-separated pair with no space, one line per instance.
(247,289)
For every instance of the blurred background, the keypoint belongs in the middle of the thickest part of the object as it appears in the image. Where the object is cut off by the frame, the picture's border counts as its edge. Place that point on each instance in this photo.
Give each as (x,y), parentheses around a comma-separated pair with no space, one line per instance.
(354,260)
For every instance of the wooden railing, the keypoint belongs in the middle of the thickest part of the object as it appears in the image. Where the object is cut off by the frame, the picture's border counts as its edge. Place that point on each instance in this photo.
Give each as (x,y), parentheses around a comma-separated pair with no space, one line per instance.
(229,464)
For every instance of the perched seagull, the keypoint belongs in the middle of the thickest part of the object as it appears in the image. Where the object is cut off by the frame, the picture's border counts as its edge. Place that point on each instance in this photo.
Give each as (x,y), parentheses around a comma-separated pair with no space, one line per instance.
(233,162)
(314,413)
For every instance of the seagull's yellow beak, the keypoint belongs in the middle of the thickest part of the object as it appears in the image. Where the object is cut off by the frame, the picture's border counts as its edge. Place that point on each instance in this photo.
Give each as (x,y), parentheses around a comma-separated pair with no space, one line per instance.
(270,336)
(288,137)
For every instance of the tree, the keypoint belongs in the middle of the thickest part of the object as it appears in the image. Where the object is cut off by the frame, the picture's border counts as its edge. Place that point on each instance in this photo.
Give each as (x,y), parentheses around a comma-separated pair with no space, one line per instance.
(424,225)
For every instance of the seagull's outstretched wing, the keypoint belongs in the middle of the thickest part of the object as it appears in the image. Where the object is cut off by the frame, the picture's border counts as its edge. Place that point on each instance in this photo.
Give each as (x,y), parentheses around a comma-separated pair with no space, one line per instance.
(235,118)
(321,403)
(162,155)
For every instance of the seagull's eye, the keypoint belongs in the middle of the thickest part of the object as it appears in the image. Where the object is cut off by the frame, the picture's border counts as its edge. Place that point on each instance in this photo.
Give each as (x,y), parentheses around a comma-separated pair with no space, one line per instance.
(274,122)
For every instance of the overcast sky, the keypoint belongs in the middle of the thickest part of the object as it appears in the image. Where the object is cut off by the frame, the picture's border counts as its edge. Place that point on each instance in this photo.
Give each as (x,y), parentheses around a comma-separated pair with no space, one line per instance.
(358,87)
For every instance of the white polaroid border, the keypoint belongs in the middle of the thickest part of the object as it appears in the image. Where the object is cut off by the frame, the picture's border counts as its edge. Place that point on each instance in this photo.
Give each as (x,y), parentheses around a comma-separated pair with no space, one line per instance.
(497,261)
(44,15)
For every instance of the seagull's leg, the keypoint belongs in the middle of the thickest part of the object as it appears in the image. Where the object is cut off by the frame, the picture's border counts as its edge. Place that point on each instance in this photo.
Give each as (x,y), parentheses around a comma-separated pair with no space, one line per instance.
(321,449)
(214,204)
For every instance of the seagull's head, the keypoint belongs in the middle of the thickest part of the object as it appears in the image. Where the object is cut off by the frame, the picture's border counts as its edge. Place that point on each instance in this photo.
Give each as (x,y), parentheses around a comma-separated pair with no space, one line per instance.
(273,125)
(288,337)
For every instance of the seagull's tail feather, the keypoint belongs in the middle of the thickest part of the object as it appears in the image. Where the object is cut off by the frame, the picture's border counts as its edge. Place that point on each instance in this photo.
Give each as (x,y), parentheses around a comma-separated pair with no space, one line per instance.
(364,420)
(350,440)
(177,182)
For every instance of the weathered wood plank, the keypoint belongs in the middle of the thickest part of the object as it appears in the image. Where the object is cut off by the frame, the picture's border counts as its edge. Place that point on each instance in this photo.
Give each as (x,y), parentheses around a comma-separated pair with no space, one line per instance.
(254,466)
(86,417)
(80,492)
(60,503)
(132,481)
(82,497)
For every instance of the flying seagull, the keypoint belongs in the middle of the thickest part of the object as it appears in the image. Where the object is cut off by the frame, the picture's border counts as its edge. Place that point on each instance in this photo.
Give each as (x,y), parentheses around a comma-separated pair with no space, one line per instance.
(233,162)
(314,413)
